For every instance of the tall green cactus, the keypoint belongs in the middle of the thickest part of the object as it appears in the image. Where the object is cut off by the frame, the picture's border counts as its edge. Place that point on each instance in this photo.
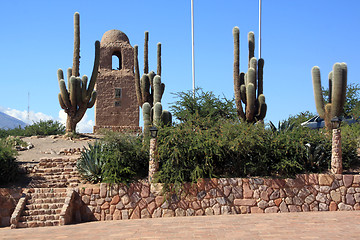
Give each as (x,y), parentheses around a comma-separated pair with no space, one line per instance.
(78,97)
(148,88)
(337,92)
(246,84)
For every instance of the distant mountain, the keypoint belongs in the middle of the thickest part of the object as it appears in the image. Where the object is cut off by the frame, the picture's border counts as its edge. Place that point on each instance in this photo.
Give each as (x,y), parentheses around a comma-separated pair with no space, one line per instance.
(8,122)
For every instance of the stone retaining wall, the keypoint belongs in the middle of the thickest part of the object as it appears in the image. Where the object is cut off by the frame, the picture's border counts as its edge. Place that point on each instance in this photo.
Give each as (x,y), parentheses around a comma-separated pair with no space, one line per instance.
(8,201)
(313,192)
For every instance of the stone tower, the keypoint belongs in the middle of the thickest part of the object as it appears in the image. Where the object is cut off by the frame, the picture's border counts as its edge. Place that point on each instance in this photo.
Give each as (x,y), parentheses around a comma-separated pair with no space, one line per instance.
(116,106)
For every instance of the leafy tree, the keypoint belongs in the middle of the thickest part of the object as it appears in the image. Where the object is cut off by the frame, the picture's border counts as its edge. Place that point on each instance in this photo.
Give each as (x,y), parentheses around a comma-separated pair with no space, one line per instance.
(203,105)
(352,104)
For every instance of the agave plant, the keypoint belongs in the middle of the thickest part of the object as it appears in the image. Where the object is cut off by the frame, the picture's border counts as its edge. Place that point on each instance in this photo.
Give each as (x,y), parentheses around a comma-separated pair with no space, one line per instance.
(91,162)
(316,156)
(284,126)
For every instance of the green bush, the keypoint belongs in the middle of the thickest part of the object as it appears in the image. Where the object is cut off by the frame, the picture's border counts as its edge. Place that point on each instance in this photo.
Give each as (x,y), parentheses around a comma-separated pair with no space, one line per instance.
(117,158)
(43,128)
(8,164)
(126,159)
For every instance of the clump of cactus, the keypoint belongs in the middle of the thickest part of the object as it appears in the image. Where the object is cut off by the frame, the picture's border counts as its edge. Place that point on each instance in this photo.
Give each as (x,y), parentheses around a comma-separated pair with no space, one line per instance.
(337,92)
(80,95)
(248,87)
(150,89)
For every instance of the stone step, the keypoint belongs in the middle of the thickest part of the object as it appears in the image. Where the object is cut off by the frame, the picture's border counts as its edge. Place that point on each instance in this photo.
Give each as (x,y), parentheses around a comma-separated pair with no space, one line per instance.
(48,195)
(44,217)
(30,207)
(46,200)
(31,224)
(49,190)
(55,170)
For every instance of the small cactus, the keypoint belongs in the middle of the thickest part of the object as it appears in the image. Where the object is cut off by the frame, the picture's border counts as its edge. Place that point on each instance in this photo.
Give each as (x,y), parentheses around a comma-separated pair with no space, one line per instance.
(337,92)
(79,96)
(155,116)
(248,87)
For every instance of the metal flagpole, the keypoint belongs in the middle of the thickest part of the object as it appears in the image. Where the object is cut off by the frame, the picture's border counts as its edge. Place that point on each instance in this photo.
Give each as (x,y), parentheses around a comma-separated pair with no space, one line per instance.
(192,50)
(259,29)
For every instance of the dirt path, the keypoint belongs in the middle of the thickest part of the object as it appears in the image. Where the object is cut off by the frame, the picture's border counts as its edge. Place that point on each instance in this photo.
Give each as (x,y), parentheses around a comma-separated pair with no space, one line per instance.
(51,146)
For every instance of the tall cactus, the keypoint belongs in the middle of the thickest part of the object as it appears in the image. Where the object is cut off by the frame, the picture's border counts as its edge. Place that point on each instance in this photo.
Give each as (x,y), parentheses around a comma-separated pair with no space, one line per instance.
(337,92)
(246,84)
(79,96)
(147,86)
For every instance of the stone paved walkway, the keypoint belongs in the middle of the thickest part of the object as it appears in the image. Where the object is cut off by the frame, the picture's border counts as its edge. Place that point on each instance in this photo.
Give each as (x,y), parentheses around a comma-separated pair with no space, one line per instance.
(309,225)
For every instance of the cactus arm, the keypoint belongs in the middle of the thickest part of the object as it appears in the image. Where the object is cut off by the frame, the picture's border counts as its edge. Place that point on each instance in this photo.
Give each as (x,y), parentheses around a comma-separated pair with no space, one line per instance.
(237,84)
(319,101)
(157,89)
(251,77)
(250,102)
(158,70)
(157,113)
(330,85)
(64,93)
(344,84)
(262,107)
(76,59)
(95,69)
(162,89)
(84,80)
(145,88)
(60,74)
(73,93)
(68,75)
(253,63)
(338,90)
(260,76)
(166,118)
(327,117)
(78,91)
(251,41)
(62,104)
(92,100)
(137,76)
(151,79)
(146,52)
(243,93)
(146,109)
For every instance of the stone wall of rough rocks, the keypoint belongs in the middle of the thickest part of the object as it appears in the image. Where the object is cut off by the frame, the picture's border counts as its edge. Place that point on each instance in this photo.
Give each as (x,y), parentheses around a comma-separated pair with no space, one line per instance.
(8,200)
(313,192)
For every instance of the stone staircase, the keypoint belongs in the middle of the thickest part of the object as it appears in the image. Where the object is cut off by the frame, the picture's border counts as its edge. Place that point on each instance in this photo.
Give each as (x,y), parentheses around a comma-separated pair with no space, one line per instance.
(42,207)
(45,201)
(55,173)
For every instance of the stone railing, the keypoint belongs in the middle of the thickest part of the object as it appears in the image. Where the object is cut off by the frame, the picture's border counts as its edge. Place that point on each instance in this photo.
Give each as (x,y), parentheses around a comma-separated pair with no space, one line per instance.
(18,210)
(312,192)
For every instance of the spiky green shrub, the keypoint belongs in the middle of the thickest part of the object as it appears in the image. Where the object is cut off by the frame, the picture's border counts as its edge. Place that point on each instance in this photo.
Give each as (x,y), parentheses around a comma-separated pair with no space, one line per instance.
(8,164)
(90,165)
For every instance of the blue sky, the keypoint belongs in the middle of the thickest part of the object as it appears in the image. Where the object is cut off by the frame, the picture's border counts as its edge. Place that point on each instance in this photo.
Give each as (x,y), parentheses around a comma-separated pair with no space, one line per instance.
(37,39)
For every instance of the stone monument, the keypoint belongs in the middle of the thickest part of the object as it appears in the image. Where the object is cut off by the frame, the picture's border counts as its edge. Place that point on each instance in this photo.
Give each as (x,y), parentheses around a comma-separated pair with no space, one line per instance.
(116,106)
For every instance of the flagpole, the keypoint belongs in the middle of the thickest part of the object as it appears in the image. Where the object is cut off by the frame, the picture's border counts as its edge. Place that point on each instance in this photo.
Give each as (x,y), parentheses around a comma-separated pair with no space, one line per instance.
(192,49)
(259,29)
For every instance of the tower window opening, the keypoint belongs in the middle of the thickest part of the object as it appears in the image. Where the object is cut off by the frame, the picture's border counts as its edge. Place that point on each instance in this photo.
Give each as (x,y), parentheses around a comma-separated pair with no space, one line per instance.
(116,61)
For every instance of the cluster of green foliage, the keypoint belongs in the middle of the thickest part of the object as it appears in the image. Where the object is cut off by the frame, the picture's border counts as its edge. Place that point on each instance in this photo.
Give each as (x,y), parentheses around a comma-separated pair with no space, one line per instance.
(8,165)
(352,103)
(204,144)
(117,158)
(43,128)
